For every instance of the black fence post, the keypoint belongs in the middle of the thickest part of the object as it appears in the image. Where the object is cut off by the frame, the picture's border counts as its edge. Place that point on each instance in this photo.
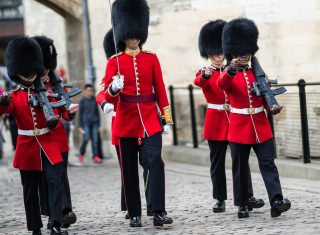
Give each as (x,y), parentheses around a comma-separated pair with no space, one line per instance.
(173,113)
(304,121)
(193,118)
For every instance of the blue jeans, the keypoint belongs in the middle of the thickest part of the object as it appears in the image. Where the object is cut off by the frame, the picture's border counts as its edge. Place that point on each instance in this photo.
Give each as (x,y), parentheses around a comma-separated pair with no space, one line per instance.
(90,132)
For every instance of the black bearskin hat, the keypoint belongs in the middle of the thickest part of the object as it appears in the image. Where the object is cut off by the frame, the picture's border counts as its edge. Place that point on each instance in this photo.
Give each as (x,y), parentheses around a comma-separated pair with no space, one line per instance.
(49,52)
(130,19)
(24,57)
(210,38)
(108,44)
(240,37)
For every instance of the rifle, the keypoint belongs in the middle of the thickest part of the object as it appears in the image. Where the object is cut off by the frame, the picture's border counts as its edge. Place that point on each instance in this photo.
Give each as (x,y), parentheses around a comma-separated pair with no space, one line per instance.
(58,88)
(40,100)
(261,86)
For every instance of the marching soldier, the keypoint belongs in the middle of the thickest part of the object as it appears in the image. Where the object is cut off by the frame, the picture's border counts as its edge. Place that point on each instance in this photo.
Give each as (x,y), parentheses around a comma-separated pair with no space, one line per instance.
(135,76)
(216,122)
(249,126)
(109,48)
(37,148)
(50,64)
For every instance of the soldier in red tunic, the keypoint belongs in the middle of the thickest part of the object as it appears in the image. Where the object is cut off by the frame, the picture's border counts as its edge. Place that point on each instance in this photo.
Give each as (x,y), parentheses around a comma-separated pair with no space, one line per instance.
(37,149)
(249,126)
(135,76)
(109,48)
(216,122)
(50,64)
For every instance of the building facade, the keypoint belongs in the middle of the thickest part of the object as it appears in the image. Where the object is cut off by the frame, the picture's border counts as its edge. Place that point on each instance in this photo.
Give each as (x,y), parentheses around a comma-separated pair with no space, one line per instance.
(289,49)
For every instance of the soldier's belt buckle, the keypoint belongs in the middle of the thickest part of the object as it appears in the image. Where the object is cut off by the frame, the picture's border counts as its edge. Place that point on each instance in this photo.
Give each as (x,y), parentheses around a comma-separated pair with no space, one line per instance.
(36,131)
(251,111)
(226,106)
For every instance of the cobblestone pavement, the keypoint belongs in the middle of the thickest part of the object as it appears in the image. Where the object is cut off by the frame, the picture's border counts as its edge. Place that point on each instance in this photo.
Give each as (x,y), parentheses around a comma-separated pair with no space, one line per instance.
(96,191)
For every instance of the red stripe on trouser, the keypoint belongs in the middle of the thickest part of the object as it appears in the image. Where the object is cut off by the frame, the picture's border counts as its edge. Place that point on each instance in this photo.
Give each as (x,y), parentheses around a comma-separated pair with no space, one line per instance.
(122,175)
(164,175)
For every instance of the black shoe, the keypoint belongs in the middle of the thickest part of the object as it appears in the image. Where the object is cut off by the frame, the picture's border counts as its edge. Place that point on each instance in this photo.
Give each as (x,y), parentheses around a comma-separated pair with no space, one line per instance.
(254,203)
(58,231)
(49,224)
(243,212)
(127,215)
(36,232)
(161,219)
(69,218)
(149,211)
(219,207)
(279,206)
(135,221)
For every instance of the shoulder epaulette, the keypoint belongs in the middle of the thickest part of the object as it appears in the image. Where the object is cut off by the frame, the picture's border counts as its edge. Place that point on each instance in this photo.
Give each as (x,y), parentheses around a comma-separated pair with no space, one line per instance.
(149,52)
(120,53)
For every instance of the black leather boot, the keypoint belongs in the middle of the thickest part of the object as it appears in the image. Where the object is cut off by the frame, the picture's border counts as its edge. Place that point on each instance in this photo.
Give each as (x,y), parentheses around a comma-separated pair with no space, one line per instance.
(243,212)
(68,219)
(58,231)
(159,219)
(254,203)
(135,221)
(279,206)
(219,207)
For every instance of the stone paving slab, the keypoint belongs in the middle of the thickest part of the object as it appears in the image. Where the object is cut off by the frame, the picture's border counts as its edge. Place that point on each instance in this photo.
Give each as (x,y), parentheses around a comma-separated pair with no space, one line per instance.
(96,199)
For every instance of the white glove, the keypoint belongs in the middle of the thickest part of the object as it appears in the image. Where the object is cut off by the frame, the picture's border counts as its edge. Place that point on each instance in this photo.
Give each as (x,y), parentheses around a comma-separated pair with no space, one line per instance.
(166,129)
(107,108)
(73,108)
(117,83)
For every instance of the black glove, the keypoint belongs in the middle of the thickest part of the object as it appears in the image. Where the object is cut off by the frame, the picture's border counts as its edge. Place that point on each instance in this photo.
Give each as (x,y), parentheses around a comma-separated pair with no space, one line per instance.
(233,68)
(53,122)
(5,99)
(206,73)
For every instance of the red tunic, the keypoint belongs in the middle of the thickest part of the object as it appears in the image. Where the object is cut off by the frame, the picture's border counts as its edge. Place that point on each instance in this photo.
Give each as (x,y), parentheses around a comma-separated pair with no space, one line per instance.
(216,122)
(245,129)
(28,153)
(142,77)
(60,131)
(61,138)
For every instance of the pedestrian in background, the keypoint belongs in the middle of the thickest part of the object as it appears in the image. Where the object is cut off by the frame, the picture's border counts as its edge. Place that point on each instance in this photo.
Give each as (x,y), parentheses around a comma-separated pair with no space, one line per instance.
(89,121)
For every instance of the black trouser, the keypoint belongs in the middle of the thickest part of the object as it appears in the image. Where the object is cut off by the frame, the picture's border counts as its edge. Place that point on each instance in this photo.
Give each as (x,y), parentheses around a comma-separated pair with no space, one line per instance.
(218,151)
(144,164)
(151,150)
(30,182)
(240,157)
(66,194)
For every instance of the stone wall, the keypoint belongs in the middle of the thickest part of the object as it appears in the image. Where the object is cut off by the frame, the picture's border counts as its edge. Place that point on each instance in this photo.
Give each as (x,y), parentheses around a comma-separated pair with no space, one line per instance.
(289,48)
(40,20)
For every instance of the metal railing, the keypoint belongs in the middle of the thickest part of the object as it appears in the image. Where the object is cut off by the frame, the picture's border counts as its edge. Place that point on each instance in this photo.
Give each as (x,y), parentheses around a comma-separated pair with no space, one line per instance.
(301,85)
